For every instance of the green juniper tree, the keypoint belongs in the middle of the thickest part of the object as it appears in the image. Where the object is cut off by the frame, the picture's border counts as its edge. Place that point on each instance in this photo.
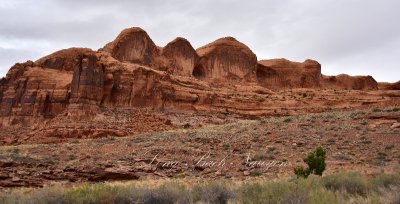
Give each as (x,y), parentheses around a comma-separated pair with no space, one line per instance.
(316,164)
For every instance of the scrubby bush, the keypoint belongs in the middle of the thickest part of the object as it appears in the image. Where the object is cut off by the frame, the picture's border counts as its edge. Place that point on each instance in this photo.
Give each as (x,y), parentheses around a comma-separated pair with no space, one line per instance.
(275,192)
(316,164)
(45,196)
(396,198)
(335,188)
(104,193)
(350,183)
(386,181)
(296,197)
(287,120)
(215,193)
(167,194)
(396,109)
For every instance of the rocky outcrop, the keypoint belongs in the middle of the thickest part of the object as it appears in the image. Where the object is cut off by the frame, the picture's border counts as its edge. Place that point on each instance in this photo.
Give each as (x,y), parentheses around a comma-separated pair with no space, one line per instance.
(344,81)
(137,87)
(82,93)
(181,57)
(389,86)
(282,73)
(64,59)
(226,59)
(87,86)
(133,45)
(47,87)
(29,90)
(87,81)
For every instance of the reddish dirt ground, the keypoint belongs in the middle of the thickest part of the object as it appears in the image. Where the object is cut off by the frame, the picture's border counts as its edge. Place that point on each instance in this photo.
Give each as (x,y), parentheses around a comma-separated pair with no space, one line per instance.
(366,140)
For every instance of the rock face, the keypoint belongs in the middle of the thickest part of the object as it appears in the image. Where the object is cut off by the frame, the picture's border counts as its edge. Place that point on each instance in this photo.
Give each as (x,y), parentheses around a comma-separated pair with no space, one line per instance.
(29,90)
(282,73)
(182,57)
(344,81)
(82,93)
(389,86)
(87,81)
(137,87)
(395,86)
(64,59)
(226,59)
(133,45)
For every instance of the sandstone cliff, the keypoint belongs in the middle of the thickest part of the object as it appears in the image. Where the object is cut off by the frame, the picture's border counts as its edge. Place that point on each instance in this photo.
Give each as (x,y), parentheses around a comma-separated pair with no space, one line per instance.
(344,81)
(181,56)
(30,90)
(79,92)
(63,60)
(282,73)
(389,86)
(226,59)
(133,45)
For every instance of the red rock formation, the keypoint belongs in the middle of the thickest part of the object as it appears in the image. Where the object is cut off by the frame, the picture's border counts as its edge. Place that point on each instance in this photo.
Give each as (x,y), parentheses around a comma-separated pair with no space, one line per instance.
(133,45)
(389,86)
(63,59)
(344,81)
(226,59)
(87,81)
(139,87)
(29,90)
(282,73)
(181,55)
(78,92)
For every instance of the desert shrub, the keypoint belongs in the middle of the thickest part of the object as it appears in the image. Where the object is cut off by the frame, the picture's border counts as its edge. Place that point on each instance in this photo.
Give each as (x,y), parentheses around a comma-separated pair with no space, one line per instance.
(215,193)
(297,196)
(376,110)
(350,183)
(386,181)
(276,192)
(287,120)
(381,156)
(48,196)
(104,193)
(226,146)
(316,164)
(322,196)
(396,198)
(300,172)
(388,147)
(256,172)
(186,126)
(336,188)
(169,193)
(45,196)
(330,141)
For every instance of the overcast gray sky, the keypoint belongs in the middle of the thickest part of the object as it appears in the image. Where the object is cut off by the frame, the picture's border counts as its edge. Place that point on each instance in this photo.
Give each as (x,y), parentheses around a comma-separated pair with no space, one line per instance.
(357,37)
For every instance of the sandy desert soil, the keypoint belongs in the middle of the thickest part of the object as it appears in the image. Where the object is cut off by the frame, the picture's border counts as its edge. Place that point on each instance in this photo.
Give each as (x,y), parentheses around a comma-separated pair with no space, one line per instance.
(367,141)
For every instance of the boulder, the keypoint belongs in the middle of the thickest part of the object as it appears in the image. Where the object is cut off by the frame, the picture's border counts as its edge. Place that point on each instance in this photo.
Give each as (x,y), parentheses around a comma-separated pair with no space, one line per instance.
(395,125)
